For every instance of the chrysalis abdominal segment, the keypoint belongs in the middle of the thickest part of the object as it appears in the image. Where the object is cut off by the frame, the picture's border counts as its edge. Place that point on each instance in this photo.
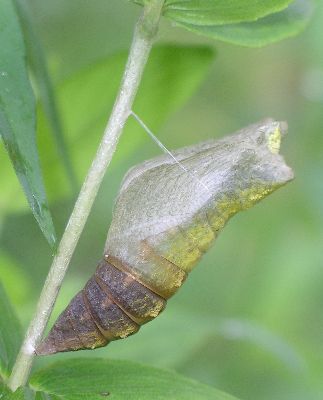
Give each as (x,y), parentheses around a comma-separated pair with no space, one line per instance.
(163,222)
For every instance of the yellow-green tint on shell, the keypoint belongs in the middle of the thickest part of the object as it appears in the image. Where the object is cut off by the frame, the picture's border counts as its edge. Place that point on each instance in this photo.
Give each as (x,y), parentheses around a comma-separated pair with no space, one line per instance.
(176,247)
(199,231)
(224,208)
(154,271)
(253,195)
(184,245)
(274,140)
(221,211)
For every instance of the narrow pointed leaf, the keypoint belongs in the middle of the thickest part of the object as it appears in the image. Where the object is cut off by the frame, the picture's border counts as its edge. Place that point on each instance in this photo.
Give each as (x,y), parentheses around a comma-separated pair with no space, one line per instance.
(269,29)
(36,60)
(10,334)
(6,394)
(210,12)
(96,379)
(172,75)
(17,117)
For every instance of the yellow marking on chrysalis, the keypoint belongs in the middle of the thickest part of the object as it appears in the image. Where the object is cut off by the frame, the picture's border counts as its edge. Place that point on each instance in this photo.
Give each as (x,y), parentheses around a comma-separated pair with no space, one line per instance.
(163,276)
(200,233)
(157,309)
(126,331)
(253,195)
(97,339)
(183,247)
(274,141)
(222,211)
(180,251)
(228,206)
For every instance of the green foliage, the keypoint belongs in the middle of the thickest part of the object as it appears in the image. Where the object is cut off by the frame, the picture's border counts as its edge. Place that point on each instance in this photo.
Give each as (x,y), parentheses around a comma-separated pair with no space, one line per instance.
(244,23)
(38,65)
(264,275)
(119,380)
(15,279)
(172,75)
(97,379)
(269,29)
(10,335)
(194,331)
(17,117)
(20,394)
(219,12)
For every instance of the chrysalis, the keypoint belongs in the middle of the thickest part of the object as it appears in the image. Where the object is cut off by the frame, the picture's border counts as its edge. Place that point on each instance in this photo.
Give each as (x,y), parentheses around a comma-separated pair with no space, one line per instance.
(164,219)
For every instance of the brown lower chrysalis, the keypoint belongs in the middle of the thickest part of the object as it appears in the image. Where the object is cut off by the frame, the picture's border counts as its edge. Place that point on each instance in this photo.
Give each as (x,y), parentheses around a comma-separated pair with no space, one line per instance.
(164,219)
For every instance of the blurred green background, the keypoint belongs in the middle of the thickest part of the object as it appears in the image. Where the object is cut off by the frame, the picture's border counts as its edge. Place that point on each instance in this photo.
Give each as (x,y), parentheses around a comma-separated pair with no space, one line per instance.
(249,319)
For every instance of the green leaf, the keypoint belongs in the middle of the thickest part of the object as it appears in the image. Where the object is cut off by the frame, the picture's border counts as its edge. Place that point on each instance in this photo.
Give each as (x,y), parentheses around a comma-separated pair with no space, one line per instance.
(272,28)
(211,12)
(15,280)
(194,332)
(6,394)
(17,117)
(37,62)
(46,396)
(10,334)
(172,74)
(118,380)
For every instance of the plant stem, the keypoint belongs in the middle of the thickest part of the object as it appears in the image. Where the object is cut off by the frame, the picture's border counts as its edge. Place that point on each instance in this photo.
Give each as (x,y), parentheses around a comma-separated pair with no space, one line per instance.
(144,35)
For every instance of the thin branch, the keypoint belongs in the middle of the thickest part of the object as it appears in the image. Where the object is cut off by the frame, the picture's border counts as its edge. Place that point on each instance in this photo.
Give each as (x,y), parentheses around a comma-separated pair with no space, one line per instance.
(144,34)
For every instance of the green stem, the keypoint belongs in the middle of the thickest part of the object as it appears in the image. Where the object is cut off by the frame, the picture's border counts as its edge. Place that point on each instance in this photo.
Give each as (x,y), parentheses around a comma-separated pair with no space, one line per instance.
(144,35)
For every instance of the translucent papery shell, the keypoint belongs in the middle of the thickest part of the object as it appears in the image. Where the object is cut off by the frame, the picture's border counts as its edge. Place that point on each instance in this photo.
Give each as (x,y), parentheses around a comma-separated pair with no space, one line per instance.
(165,217)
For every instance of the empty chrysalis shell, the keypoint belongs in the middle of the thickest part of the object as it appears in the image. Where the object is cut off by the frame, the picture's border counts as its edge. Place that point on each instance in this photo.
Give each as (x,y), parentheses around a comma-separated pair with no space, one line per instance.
(164,219)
